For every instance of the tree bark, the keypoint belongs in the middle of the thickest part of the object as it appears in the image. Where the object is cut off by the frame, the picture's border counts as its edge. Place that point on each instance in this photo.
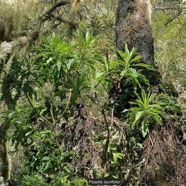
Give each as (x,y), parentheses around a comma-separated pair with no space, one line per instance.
(6,165)
(4,155)
(133,27)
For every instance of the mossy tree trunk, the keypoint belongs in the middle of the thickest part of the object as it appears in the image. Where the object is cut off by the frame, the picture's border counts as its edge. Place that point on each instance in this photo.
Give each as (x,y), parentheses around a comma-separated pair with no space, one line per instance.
(133,19)
(6,166)
(4,154)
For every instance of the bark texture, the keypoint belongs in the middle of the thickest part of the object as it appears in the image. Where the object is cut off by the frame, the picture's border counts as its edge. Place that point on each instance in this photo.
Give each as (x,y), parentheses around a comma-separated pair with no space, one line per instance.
(133,28)
(4,154)
(6,166)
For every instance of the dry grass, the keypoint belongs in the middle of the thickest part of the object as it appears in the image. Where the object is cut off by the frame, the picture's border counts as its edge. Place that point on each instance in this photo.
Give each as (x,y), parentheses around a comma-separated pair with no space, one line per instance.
(17,11)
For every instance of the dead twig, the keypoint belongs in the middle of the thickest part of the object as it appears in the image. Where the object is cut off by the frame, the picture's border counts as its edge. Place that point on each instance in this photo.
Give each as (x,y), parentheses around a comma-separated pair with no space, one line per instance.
(31,104)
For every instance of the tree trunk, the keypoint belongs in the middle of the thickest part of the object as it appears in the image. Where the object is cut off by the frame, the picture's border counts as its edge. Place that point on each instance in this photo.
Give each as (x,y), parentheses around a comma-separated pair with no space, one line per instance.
(6,166)
(4,155)
(133,27)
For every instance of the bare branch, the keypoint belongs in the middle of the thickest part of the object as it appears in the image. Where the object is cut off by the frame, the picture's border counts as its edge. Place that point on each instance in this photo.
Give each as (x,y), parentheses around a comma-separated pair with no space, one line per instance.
(166,8)
(173,18)
(67,105)
(43,118)
(6,48)
(47,15)
(108,138)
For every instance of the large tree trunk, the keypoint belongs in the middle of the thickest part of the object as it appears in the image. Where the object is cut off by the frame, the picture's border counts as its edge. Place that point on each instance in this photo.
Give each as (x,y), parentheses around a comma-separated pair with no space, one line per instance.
(133,28)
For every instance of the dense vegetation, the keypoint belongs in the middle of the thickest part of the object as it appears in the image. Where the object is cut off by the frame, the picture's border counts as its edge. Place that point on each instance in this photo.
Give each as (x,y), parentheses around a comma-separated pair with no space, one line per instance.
(74,107)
